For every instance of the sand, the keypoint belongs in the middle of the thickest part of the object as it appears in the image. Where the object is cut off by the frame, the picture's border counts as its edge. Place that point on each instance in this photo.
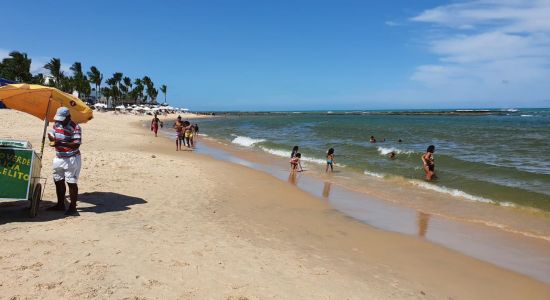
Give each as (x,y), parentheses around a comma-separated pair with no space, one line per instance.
(159,224)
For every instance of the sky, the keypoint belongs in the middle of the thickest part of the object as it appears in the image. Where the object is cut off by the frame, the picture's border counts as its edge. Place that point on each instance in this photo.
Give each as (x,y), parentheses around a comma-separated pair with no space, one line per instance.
(302,55)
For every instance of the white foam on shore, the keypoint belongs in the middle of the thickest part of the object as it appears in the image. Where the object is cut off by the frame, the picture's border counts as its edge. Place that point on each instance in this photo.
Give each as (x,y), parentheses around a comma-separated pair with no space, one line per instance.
(246,141)
(283,153)
(386,151)
(374,174)
(452,192)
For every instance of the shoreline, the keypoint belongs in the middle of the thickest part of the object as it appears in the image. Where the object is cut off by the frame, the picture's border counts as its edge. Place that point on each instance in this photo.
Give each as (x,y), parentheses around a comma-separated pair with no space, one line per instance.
(485,240)
(157,223)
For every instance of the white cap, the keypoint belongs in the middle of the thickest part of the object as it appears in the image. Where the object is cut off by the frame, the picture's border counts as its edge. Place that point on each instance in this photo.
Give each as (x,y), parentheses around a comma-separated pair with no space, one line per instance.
(61,114)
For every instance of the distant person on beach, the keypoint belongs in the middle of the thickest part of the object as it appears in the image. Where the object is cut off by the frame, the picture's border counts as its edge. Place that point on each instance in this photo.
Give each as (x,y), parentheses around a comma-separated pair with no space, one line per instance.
(295,163)
(178,125)
(155,124)
(428,163)
(196,130)
(372,139)
(330,160)
(294,151)
(66,138)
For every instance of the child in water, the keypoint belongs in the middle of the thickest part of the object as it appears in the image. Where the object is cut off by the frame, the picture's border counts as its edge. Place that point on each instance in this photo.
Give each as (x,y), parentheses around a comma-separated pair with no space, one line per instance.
(330,160)
(295,162)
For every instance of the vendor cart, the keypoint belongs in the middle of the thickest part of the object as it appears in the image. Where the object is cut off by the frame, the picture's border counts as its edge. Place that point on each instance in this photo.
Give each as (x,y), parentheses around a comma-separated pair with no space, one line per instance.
(20,177)
(19,164)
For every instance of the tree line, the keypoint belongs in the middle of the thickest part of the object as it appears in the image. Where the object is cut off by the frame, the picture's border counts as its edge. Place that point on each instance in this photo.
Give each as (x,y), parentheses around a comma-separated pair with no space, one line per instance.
(17,67)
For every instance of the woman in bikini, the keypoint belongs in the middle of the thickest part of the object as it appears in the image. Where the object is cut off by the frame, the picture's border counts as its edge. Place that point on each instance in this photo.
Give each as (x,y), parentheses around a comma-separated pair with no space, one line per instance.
(428,163)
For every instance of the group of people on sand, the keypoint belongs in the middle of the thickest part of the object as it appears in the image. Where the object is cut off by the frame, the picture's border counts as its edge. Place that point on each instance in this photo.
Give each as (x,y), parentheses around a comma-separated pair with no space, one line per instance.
(186,132)
(428,163)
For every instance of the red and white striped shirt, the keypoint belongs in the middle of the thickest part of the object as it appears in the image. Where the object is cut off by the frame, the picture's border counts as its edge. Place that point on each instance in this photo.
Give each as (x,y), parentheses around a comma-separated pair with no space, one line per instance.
(70,134)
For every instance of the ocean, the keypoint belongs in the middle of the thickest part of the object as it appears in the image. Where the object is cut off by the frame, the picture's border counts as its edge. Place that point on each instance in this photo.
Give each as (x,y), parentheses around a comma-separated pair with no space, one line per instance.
(495,156)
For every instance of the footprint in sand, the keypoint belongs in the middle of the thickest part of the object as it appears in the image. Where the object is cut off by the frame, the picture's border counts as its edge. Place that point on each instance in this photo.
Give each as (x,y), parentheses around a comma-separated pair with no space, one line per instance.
(151,283)
(35,267)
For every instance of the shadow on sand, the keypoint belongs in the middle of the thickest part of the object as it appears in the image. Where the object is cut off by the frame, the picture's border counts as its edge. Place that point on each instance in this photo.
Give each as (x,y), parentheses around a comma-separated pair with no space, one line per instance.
(102,202)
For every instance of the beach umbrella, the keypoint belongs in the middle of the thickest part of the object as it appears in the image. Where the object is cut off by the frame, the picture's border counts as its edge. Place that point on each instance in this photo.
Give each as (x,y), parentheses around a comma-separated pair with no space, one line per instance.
(5,82)
(43,102)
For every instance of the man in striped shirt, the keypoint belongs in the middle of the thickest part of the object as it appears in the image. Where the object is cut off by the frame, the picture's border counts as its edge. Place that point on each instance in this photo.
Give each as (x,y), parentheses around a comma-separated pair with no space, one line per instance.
(67,137)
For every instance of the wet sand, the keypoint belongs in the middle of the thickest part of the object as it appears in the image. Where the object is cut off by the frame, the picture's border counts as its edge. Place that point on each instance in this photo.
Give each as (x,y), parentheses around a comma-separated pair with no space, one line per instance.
(397,209)
(159,224)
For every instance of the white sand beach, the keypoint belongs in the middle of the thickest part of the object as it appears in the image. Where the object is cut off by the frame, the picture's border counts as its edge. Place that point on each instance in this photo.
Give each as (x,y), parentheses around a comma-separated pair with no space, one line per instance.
(159,224)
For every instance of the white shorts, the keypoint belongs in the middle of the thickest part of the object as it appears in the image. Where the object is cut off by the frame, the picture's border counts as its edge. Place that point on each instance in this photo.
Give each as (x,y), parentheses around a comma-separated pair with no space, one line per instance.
(66,168)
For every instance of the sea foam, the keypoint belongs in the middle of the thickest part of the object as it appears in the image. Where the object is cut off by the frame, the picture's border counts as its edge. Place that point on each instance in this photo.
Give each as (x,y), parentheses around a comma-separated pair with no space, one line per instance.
(373,174)
(450,191)
(283,153)
(386,151)
(246,141)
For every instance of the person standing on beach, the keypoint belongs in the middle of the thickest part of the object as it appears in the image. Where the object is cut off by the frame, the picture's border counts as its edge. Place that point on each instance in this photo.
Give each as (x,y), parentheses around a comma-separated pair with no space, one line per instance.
(428,163)
(330,160)
(295,163)
(178,125)
(155,124)
(66,138)
(196,130)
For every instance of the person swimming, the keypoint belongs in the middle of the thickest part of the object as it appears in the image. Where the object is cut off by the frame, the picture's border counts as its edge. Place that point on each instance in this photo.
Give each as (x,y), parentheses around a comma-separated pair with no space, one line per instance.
(330,160)
(392,155)
(372,139)
(428,163)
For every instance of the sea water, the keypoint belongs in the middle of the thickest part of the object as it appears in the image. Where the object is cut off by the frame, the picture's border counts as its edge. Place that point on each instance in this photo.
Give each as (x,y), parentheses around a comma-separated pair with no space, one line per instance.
(498,156)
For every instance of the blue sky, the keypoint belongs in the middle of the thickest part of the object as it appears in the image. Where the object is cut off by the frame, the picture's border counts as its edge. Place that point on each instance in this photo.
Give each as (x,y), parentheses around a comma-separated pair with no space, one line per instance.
(291,55)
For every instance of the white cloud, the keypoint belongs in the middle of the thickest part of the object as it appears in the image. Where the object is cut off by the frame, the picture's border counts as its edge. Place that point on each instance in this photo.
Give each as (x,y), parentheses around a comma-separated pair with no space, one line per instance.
(392,23)
(489,49)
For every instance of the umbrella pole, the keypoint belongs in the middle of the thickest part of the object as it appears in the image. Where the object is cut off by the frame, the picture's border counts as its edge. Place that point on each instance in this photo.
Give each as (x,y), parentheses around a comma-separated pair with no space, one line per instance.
(46,122)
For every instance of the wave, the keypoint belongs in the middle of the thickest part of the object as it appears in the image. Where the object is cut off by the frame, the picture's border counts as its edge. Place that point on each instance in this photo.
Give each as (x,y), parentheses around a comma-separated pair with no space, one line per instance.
(452,192)
(386,151)
(283,153)
(373,174)
(526,115)
(246,141)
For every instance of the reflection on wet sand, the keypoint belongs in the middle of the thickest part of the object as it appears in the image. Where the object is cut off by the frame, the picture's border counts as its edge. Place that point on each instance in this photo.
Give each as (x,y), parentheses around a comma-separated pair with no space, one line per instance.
(326,189)
(293,178)
(422,220)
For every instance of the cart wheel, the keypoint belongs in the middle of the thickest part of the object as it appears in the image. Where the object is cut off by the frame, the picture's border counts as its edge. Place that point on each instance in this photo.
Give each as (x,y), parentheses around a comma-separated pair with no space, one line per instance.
(35,200)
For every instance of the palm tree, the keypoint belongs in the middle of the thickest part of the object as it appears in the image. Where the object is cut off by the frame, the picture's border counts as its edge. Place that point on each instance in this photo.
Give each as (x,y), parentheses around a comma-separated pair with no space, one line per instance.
(96,78)
(113,90)
(127,85)
(54,66)
(138,90)
(38,79)
(153,93)
(80,80)
(16,67)
(163,90)
(150,88)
